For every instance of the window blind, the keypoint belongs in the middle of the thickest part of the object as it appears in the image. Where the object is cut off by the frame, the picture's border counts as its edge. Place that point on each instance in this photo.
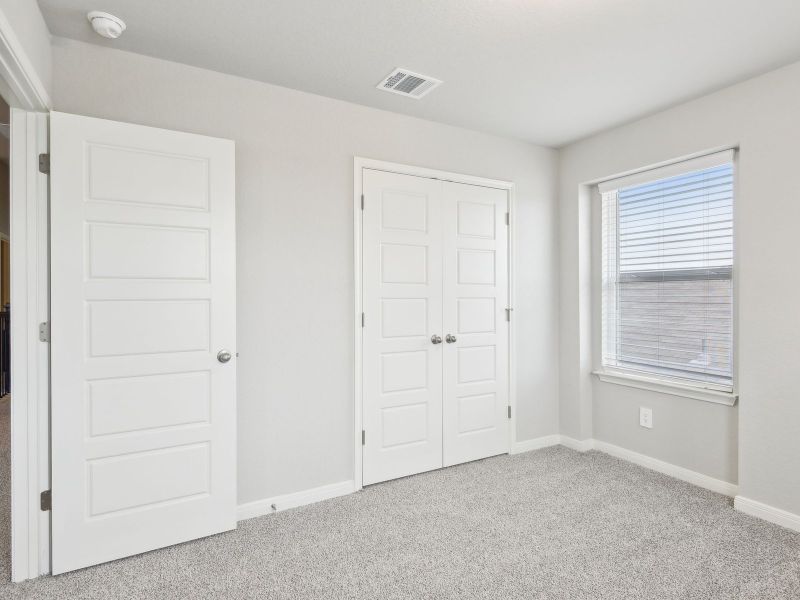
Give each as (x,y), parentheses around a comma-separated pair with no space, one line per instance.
(667,307)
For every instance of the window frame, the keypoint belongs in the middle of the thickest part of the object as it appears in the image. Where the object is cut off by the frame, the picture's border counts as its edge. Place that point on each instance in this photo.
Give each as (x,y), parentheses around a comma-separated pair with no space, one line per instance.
(643,379)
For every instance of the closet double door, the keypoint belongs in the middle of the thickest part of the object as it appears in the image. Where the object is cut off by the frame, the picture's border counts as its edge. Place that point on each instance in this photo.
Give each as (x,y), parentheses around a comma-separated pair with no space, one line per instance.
(435,330)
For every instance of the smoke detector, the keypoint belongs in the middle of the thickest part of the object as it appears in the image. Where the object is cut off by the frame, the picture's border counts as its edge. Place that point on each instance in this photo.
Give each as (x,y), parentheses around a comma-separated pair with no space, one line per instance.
(409,84)
(107,25)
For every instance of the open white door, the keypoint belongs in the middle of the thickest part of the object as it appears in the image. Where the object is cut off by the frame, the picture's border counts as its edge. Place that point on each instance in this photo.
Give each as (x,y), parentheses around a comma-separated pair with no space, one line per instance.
(143,300)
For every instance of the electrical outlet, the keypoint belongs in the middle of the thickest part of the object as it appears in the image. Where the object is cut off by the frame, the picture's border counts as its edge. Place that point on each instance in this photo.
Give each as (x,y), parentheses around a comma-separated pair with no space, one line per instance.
(646,417)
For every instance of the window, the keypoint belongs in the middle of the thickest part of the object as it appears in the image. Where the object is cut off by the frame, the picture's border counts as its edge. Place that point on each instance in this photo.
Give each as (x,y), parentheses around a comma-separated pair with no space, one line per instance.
(667,306)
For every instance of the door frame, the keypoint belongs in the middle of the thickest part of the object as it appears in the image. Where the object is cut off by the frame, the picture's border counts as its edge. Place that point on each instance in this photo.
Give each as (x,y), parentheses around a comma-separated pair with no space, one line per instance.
(26,95)
(359,164)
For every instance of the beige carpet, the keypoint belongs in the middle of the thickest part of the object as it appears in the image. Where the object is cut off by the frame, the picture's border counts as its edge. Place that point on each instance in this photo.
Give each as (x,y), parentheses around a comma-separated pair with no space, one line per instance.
(547,524)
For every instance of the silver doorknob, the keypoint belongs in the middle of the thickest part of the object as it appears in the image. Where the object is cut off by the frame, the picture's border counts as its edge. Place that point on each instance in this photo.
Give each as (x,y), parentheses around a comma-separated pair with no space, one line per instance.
(223,356)
(435,339)
(450,338)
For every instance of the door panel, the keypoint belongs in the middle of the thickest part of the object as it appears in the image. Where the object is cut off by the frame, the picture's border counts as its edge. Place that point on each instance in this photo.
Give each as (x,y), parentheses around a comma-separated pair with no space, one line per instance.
(143,297)
(402,299)
(128,404)
(475,298)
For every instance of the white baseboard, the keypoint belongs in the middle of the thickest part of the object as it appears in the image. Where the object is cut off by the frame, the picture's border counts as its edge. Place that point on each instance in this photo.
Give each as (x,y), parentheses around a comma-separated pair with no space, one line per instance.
(746,505)
(693,477)
(265,507)
(536,443)
(552,440)
(769,513)
(286,501)
(579,445)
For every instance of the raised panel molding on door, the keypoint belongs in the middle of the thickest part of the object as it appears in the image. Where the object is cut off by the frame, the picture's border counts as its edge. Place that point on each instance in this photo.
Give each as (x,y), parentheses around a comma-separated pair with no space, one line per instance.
(435,353)
(402,300)
(143,297)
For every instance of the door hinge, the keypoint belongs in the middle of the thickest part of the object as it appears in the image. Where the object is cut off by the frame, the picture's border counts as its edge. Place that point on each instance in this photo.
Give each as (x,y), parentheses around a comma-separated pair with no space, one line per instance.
(46,500)
(363,437)
(44,331)
(44,163)
(509,411)
(362,201)
(363,319)
(508,314)
(508,218)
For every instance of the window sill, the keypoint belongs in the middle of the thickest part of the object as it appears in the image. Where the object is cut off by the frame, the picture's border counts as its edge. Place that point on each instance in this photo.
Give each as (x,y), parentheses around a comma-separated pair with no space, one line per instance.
(655,384)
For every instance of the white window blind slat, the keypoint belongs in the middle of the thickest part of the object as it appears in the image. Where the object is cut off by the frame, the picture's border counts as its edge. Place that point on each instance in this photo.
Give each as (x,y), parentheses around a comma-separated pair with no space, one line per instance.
(668,272)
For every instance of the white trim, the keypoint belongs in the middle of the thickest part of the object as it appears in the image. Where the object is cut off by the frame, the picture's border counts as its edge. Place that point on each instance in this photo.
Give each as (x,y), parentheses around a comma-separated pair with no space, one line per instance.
(30,442)
(358,330)
(675,168)
(18,78)
(769,513)
(381,165)
(535,444)
(259,508)
(687,475)
(665,386)
(512,303)
(359,164)
(578,445)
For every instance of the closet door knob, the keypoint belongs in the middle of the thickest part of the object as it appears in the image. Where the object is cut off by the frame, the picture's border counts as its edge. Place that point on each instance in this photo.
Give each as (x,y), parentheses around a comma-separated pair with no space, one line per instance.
(435,339)
(450,338)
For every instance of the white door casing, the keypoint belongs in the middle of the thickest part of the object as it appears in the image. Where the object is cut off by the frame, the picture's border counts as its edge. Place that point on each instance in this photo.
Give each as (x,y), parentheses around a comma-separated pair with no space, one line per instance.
(450,241)
(143,297)
(402,303)
(30,369)
(476,423)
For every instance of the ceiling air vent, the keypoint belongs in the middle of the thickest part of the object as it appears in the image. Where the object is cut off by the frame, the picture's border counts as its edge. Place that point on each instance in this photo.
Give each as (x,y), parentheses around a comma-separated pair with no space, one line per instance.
(407,83)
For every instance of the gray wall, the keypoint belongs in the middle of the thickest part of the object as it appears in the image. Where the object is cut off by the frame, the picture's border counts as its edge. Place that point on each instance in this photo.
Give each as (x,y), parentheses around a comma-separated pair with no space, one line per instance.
(294,179)
(761,117)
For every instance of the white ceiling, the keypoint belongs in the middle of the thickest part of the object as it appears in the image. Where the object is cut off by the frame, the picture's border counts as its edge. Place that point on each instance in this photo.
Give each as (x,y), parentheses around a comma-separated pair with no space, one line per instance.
(547,71)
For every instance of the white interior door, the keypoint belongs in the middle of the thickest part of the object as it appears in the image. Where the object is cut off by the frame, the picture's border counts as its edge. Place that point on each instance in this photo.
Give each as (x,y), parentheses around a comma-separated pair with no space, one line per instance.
(402,300)
(143,299)
(476,417)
